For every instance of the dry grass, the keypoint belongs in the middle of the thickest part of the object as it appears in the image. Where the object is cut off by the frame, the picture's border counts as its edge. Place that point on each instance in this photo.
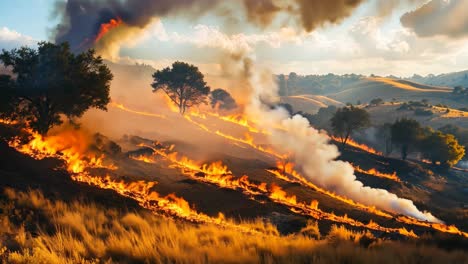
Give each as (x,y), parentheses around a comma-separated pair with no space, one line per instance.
(34,229)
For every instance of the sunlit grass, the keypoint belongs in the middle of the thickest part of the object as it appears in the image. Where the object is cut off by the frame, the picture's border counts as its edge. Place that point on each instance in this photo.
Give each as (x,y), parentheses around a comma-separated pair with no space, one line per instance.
(34,229)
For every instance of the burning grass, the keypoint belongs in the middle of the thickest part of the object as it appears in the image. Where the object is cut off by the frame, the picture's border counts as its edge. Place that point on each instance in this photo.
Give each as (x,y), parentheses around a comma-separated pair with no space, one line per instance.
(218,174)
(80,232)
(373,172)
(71,147)
(360,146)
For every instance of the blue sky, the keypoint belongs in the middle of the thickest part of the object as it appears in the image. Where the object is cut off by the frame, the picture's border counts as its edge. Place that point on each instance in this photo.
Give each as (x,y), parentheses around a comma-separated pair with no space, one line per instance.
(364,43)
(29,17)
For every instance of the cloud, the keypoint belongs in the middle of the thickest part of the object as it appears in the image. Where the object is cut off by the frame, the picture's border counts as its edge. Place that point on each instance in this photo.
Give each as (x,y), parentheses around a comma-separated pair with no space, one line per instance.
(204,36)
(10,39)
(439,18)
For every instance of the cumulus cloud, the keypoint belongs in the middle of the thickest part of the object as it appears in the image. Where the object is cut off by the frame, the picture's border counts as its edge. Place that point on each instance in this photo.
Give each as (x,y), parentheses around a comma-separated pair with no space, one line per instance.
(439,18)
(213,37)
(12,39)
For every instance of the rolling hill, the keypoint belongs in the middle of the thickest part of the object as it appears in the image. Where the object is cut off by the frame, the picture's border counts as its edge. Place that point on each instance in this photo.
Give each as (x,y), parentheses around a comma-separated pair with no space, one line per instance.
(388,89)
(447,79)
(309,103)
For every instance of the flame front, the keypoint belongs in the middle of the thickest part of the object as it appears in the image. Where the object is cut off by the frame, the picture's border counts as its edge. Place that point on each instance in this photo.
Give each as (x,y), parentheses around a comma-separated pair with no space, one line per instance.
(218,174)
(126,109)
(360,146)
(391,176)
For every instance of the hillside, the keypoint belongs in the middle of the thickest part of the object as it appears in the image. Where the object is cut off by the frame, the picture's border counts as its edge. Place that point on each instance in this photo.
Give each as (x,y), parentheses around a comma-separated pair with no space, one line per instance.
(448,79)
(440,117)
(309,103)
(388,89)
(55,220)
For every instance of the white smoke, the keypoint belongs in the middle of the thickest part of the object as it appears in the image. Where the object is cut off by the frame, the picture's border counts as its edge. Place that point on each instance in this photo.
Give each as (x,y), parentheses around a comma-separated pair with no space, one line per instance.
(463,164)
(313,153)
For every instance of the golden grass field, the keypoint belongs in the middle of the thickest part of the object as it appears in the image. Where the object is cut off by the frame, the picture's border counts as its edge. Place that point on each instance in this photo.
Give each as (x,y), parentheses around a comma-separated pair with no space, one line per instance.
(83,232)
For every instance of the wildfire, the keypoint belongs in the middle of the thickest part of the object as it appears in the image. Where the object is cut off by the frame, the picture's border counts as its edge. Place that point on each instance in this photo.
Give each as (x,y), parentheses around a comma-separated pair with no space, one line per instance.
(238,119)
(295,177)
(248,140)
(391,176)
(360,146)
(288,168)
(8,122)
(106,27)
(69,146)
(126,109)
(437,226)
(218,174)
(72,147)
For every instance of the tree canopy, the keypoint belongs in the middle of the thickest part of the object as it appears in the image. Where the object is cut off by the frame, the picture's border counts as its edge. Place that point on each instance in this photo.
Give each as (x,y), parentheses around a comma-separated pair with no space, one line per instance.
(183,83)
(51,82)
(376,101)
(406,133)
(348,119)
(221,99)
(442,148)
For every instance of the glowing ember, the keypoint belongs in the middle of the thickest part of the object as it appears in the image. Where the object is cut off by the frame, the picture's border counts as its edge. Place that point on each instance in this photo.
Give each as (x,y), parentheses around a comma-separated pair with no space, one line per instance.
(106,27)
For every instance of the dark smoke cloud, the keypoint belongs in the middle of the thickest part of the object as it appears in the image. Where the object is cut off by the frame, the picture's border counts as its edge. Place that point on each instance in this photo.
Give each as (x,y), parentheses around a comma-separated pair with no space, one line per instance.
(439,18)
(309,14)
(82,19)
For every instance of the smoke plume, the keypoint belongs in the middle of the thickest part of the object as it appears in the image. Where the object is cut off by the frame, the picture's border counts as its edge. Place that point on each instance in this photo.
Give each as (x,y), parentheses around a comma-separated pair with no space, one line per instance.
(315,156)
(439,17)
(83,21)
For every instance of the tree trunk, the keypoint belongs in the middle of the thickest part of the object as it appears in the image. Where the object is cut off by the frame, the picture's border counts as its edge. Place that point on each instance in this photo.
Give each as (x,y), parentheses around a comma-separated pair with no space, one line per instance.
(404,152)
(346,139)
(43,118)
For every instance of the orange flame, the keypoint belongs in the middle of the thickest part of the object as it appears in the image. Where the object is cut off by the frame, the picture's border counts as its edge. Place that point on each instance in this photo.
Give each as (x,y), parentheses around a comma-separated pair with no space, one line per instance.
(249,141)
(126,109)
(67,147)
(218,174)
(360,146)
(391,176)
(297,178)
(106,27)
(70,146)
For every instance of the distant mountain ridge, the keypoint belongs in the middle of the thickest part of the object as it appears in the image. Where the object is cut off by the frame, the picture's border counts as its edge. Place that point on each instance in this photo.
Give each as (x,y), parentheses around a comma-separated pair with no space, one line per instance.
(447,79)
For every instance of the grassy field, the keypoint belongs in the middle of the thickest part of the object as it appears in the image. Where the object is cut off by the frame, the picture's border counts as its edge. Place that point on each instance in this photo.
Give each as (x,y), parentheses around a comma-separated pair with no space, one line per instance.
(35,229)
(388,89)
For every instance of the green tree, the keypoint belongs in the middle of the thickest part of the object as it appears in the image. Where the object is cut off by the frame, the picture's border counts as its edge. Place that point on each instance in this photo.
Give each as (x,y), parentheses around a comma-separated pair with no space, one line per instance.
(348,119)
(376,101)
(282,83)
(406,133)
(442,148)
(322,118)
(222,99)
(385,132)
(183,83)
(7,99)
(51,82)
